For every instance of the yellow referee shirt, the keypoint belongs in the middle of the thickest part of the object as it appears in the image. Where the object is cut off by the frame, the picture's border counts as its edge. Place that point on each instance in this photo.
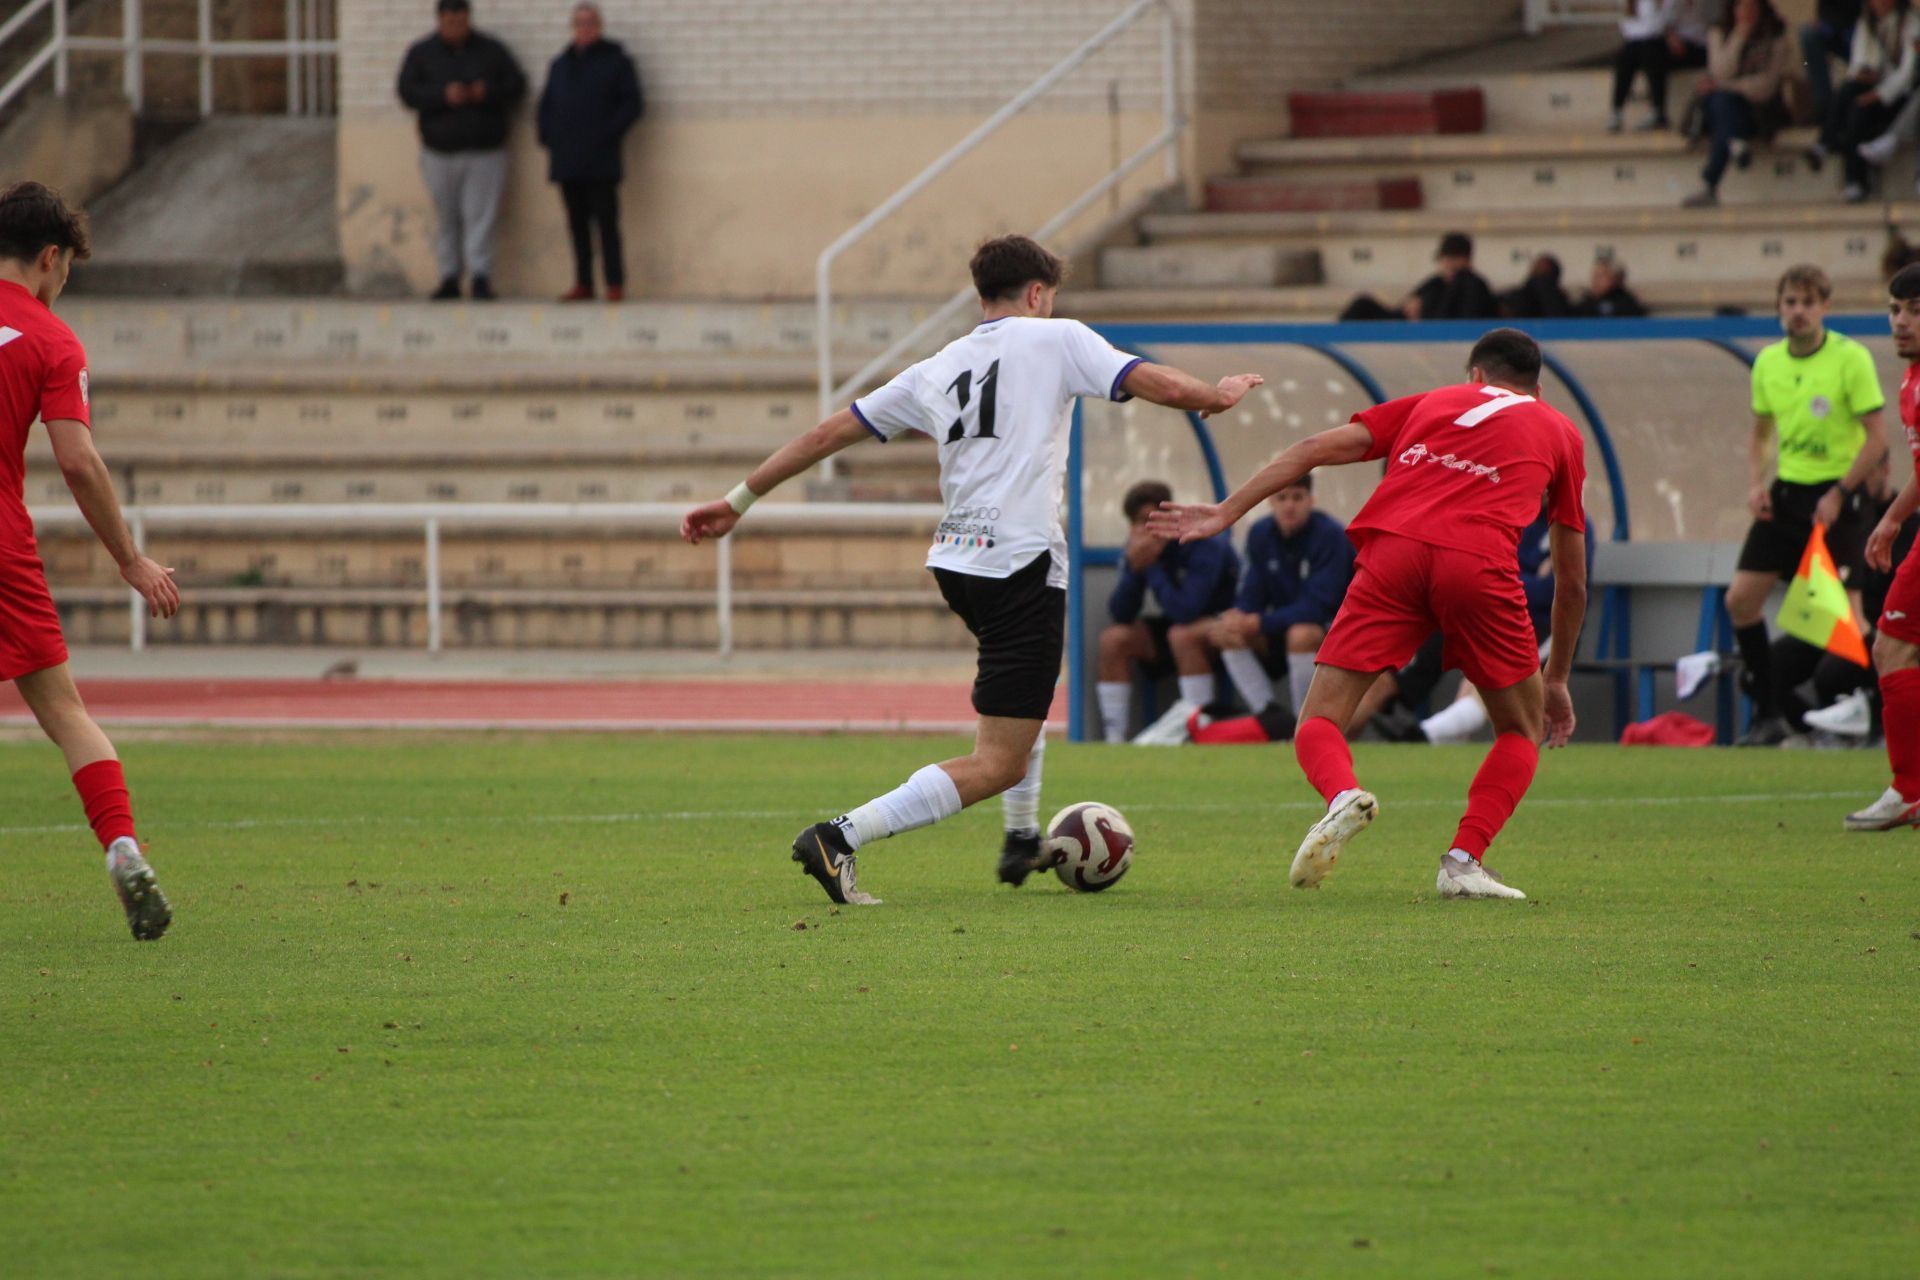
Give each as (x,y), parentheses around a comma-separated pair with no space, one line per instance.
(1816,403)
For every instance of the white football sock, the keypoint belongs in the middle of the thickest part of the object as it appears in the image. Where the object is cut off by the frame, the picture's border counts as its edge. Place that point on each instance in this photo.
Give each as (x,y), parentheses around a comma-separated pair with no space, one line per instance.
(1249,677)
(1022,800)
(1299,676)
(1116,708)
(123,847)
(922,800)
(1197,690)
(1460,855)
(1456,723)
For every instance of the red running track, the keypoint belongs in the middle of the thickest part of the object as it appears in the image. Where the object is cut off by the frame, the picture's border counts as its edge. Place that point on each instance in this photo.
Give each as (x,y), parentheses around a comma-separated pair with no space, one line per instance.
(793,706)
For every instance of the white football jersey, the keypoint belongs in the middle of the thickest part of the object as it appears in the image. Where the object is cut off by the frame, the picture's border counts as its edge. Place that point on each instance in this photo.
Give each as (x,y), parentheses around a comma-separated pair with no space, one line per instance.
(996,403)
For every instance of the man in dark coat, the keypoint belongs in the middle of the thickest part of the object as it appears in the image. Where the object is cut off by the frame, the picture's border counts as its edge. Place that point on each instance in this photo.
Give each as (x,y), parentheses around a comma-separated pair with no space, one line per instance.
(592,98)
(464,85)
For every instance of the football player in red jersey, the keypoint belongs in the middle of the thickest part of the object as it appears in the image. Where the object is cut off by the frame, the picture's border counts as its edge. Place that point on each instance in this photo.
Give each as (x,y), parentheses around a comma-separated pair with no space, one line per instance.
(1467,466)
(1896,641)
(43,376)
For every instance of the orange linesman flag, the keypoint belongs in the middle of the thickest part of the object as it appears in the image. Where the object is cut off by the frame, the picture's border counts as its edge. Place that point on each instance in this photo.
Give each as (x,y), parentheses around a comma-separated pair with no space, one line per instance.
(1817,609)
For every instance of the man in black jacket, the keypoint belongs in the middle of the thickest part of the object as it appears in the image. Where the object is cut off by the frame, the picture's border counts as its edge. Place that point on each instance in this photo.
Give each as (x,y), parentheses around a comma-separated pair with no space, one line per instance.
(1455,291)
(592,98)
(464,85)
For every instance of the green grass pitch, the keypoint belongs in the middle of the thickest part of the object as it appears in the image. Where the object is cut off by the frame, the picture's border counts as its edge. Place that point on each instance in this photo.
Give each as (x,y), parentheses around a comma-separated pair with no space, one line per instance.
(543,1006)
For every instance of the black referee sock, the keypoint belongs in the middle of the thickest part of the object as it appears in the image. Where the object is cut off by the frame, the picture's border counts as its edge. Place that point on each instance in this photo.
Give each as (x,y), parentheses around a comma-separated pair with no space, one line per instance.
(1756,651)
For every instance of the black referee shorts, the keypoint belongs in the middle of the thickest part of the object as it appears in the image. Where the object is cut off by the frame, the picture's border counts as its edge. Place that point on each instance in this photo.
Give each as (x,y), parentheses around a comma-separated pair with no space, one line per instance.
(1775,546)
(1021,624)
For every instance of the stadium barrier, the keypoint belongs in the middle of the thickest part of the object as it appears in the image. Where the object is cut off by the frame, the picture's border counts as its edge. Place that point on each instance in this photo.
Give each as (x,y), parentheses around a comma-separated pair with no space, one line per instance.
(431,518)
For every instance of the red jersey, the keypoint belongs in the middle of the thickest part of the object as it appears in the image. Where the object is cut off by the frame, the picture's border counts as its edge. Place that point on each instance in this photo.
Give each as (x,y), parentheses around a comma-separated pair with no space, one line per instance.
(1466,468)
(43,375)
(1910,408)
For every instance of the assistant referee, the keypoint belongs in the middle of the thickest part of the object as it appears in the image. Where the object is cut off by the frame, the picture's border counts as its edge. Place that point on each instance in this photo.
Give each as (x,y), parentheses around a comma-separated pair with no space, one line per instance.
(1817,392)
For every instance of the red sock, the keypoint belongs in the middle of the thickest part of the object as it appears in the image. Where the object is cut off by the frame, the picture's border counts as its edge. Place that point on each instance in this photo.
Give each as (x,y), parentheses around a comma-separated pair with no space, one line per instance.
(1239,729)
(1503,778)
(1324,757)
(1900,710)
(103,790)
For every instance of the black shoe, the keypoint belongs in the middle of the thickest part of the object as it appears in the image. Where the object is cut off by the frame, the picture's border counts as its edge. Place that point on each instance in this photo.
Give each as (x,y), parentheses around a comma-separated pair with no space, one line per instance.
(1765,731)
(1397,723)
(822,853)
(1020,857)
(449,291)
(482,290)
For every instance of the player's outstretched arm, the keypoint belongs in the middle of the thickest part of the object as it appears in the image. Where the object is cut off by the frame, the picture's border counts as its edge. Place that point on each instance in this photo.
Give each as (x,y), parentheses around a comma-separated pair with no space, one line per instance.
(716,519)
(1880,542)
(1568,550)
(1349,442)
(87,476)
(1165,385)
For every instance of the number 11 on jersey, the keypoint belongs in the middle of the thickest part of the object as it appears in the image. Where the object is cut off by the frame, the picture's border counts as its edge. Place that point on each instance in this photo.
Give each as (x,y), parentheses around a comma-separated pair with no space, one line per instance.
(962,389)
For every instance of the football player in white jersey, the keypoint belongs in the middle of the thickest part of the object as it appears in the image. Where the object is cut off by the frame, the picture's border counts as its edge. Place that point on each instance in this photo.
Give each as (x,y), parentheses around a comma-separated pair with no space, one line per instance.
(996,402)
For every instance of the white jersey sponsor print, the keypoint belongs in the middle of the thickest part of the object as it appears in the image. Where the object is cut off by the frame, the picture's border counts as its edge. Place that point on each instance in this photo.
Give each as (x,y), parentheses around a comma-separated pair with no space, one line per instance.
(996,403)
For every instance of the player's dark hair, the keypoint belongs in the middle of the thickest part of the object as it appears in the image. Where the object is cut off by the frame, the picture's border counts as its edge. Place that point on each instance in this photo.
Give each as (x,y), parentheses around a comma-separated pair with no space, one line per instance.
(1145,496)
(1810,278)
(32,217)
(1507,356)
(1905,285)
(1003,266)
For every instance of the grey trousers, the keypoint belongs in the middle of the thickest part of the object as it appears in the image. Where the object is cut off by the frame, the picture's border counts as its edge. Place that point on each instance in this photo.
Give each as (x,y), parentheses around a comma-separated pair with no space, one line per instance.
(466,187)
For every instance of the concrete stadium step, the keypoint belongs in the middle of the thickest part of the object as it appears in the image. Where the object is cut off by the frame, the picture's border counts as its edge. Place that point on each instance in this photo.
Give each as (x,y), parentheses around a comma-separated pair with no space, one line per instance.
(1365,113)
(366,618)
(1314,193)
(1548,101)
(1678,247)
(143,336)
(1551,172)
(1208,266)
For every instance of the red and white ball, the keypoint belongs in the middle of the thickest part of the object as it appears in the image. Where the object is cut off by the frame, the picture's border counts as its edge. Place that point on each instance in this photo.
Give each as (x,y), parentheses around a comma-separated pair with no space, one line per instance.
(1092,845)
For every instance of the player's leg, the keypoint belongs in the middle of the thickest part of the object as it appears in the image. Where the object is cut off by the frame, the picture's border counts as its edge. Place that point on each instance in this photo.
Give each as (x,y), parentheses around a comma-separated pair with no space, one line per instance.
(1121,645)
(1320,747)
(1246,664)
(1192,662)
(1303,643)
(50,694)
(1746,604)
(1459,720)
(1771,552)
(1896,656)
(1373,702)
(1518,713)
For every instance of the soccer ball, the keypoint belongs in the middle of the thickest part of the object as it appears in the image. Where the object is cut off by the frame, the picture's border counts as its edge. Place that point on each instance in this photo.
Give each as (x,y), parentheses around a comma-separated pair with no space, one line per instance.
(1091,844)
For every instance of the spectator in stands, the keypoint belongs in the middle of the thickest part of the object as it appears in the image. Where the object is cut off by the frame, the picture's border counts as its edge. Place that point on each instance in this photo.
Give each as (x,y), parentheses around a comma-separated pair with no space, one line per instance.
(1163,611)
(1607,295)
(1299,562)
(1656,37)
(1539,296)
(592,98)
(1749,59)
(1828,36)
(1880,74)
(1455,291)
(464,85)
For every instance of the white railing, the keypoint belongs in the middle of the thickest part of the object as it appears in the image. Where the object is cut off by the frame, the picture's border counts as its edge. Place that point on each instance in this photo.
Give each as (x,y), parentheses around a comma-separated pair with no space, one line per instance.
(433,517)
(310,43)
(1166,141)
(1542,14)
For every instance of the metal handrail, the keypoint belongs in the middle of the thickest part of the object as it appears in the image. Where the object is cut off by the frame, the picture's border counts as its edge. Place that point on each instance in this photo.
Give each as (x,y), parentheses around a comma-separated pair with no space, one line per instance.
(308,93)
(830,393)
(432,516)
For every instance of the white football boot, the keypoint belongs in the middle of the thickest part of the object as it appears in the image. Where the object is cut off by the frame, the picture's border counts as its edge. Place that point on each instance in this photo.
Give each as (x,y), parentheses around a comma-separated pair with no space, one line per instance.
(1466,878)
(1345,818)
(1170,730)
(1850,717)
(1889,813)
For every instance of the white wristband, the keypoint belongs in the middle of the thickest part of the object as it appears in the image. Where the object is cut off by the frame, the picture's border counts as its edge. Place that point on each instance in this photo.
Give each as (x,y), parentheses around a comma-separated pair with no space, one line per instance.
(740,498)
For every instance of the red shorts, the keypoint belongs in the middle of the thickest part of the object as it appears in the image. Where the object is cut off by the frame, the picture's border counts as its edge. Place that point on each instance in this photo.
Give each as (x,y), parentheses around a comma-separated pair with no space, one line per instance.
(1900,615)
(30,637)
(1405,590)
